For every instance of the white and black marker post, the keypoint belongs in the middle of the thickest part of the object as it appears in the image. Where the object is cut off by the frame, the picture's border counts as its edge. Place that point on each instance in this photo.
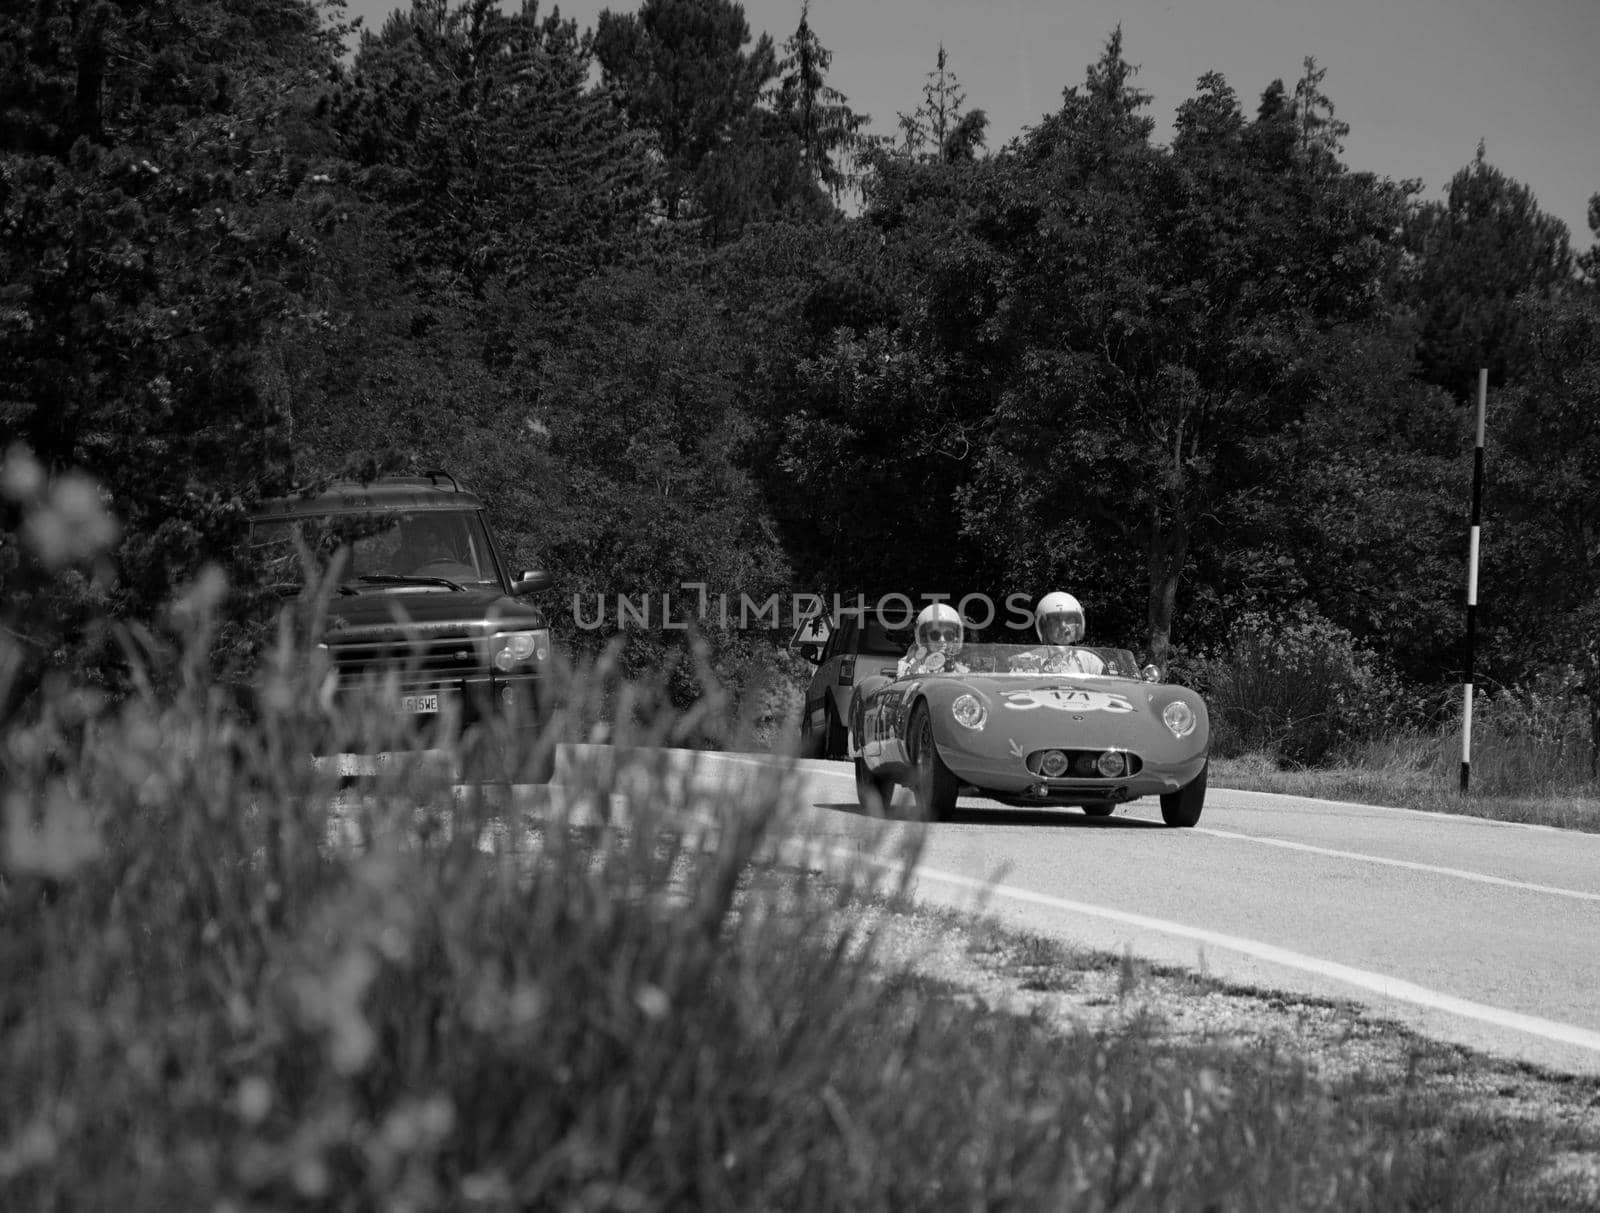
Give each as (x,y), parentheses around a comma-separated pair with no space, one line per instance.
(1472,585)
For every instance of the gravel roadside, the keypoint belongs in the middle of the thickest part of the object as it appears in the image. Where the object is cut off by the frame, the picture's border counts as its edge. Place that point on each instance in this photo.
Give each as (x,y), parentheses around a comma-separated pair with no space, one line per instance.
(1341,1043)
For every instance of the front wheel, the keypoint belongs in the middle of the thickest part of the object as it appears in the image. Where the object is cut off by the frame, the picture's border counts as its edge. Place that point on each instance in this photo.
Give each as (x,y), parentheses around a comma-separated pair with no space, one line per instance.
(935,786)
(1182,808)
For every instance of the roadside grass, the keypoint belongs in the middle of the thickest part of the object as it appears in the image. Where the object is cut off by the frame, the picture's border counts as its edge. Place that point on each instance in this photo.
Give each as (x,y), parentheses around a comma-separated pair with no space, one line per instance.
(231,983)
(1538,1132)
(1515,776)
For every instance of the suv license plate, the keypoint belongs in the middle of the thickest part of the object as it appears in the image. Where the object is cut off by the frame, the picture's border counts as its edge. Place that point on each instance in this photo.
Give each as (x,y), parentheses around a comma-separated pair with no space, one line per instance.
(419,703)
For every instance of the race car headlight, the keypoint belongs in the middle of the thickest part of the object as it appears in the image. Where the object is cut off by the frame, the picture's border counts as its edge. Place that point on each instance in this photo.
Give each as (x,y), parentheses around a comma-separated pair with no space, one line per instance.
(514,649)
(1179,717)
(1054,764)
(969,712)
(1111,764)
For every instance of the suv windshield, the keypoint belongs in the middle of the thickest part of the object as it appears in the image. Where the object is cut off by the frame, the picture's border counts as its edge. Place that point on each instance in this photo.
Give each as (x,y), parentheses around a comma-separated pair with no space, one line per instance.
(881,641)
(422,549)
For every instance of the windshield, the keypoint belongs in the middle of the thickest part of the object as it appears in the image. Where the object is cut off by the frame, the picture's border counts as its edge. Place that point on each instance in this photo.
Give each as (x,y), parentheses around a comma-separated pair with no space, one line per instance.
(882,641)
(1030,660)
(424,549)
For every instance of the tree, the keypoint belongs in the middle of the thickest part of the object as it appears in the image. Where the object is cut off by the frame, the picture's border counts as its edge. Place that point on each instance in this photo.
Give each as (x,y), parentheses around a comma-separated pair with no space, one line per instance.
(1589,263)
(161,219)
(1319,135)
(1147,338)
(487,179)
(1541,573)
(828,129)
(1473,255)
(478,135)
(648,421)
(941,128)
(680,70)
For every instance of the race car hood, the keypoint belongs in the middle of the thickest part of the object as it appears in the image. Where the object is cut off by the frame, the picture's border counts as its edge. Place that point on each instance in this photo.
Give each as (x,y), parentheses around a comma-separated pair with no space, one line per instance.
(1031,710)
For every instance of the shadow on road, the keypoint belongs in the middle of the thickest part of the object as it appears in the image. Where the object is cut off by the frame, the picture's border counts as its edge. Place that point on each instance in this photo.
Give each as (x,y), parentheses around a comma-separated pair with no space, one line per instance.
(1000,816)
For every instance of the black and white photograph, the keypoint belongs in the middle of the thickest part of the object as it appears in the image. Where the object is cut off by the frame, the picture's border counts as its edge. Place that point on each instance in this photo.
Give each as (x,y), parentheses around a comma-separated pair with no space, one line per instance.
(869,606)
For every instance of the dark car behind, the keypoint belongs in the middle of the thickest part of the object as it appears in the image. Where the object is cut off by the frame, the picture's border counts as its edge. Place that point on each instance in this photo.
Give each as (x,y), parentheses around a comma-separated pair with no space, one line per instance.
(425,609)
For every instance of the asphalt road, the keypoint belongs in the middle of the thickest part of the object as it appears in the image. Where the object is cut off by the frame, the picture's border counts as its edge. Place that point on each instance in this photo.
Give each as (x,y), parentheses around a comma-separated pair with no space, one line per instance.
(1478,932)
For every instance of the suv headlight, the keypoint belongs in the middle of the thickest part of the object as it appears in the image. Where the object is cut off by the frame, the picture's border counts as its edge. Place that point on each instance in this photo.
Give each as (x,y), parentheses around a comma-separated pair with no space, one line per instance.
(516,649)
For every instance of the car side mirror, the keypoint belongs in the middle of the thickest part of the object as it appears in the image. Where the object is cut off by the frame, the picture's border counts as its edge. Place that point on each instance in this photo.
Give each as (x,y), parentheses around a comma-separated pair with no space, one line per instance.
(811,650)
(532,581)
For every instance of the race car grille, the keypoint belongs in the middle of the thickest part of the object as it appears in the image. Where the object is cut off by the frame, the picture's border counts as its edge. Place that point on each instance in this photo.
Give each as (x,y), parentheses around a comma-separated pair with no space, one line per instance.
(423,662)
(1082,764)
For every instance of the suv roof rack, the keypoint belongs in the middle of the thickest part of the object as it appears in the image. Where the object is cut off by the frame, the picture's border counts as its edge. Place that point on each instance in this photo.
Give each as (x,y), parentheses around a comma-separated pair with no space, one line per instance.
(434,474)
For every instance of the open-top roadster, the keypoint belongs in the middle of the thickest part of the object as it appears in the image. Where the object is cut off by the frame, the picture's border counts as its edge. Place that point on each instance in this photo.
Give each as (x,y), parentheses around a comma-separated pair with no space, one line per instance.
(1027,725)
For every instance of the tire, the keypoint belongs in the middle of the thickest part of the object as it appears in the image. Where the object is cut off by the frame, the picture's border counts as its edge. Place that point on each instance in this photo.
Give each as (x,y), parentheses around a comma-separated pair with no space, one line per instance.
(935,787)
(836,741)
(1099,810)
(875,792)
(1182,808)
(812,744)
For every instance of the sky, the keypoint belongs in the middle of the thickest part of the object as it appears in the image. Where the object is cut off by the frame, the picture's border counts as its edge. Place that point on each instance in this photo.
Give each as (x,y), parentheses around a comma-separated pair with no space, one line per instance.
(1419,81)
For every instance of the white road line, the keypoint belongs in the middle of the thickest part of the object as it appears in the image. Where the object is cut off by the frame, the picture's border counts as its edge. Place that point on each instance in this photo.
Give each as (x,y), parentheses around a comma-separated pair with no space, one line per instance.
(1434,869)
(1377,983)
(1458,818)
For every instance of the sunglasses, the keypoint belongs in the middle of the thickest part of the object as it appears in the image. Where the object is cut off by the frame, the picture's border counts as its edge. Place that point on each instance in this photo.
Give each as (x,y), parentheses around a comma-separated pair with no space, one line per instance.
(945,635)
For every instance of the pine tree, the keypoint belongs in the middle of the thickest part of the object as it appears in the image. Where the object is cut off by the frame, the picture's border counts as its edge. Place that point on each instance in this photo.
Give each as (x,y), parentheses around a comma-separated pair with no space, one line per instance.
(680,69)
(1101,120)
(1319,134)
(1274,134)
(1474,254)
(1210,119)
(941,128)
(829,130)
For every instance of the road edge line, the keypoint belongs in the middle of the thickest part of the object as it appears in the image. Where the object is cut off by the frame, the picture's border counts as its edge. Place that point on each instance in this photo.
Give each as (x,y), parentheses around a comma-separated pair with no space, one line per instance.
(1376,983)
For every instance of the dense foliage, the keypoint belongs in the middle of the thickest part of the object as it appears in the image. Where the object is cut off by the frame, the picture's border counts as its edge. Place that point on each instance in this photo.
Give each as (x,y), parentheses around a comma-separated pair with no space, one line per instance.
(659,291)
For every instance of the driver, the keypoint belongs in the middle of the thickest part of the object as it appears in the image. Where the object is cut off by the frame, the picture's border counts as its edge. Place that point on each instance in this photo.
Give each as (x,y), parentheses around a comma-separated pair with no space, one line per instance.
(425,542)
(1059,621)
(935,644)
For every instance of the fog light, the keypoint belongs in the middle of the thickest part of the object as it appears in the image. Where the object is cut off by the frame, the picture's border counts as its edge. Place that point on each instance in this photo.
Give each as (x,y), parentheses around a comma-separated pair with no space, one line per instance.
(507,696)
(1111,764)
(1053,764)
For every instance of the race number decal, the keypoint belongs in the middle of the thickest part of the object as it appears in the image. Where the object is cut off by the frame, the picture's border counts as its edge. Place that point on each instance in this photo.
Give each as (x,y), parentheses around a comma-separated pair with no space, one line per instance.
(1067,699)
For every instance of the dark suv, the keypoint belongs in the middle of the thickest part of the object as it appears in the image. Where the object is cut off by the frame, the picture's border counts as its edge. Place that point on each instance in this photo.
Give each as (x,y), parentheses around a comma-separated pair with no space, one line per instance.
(858,646)
(425,604)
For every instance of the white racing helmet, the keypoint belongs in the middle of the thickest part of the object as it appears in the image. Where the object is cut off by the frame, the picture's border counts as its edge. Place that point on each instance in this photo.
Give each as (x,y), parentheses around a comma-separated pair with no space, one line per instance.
(1059,619)
(939,629)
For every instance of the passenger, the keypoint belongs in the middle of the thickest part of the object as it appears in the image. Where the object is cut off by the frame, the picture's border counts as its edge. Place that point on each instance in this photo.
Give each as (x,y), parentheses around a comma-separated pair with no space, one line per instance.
(1059,621)
(935,644)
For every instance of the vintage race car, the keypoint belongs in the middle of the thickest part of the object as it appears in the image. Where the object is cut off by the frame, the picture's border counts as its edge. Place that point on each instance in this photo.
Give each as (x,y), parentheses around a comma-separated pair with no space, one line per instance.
(1031,725)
